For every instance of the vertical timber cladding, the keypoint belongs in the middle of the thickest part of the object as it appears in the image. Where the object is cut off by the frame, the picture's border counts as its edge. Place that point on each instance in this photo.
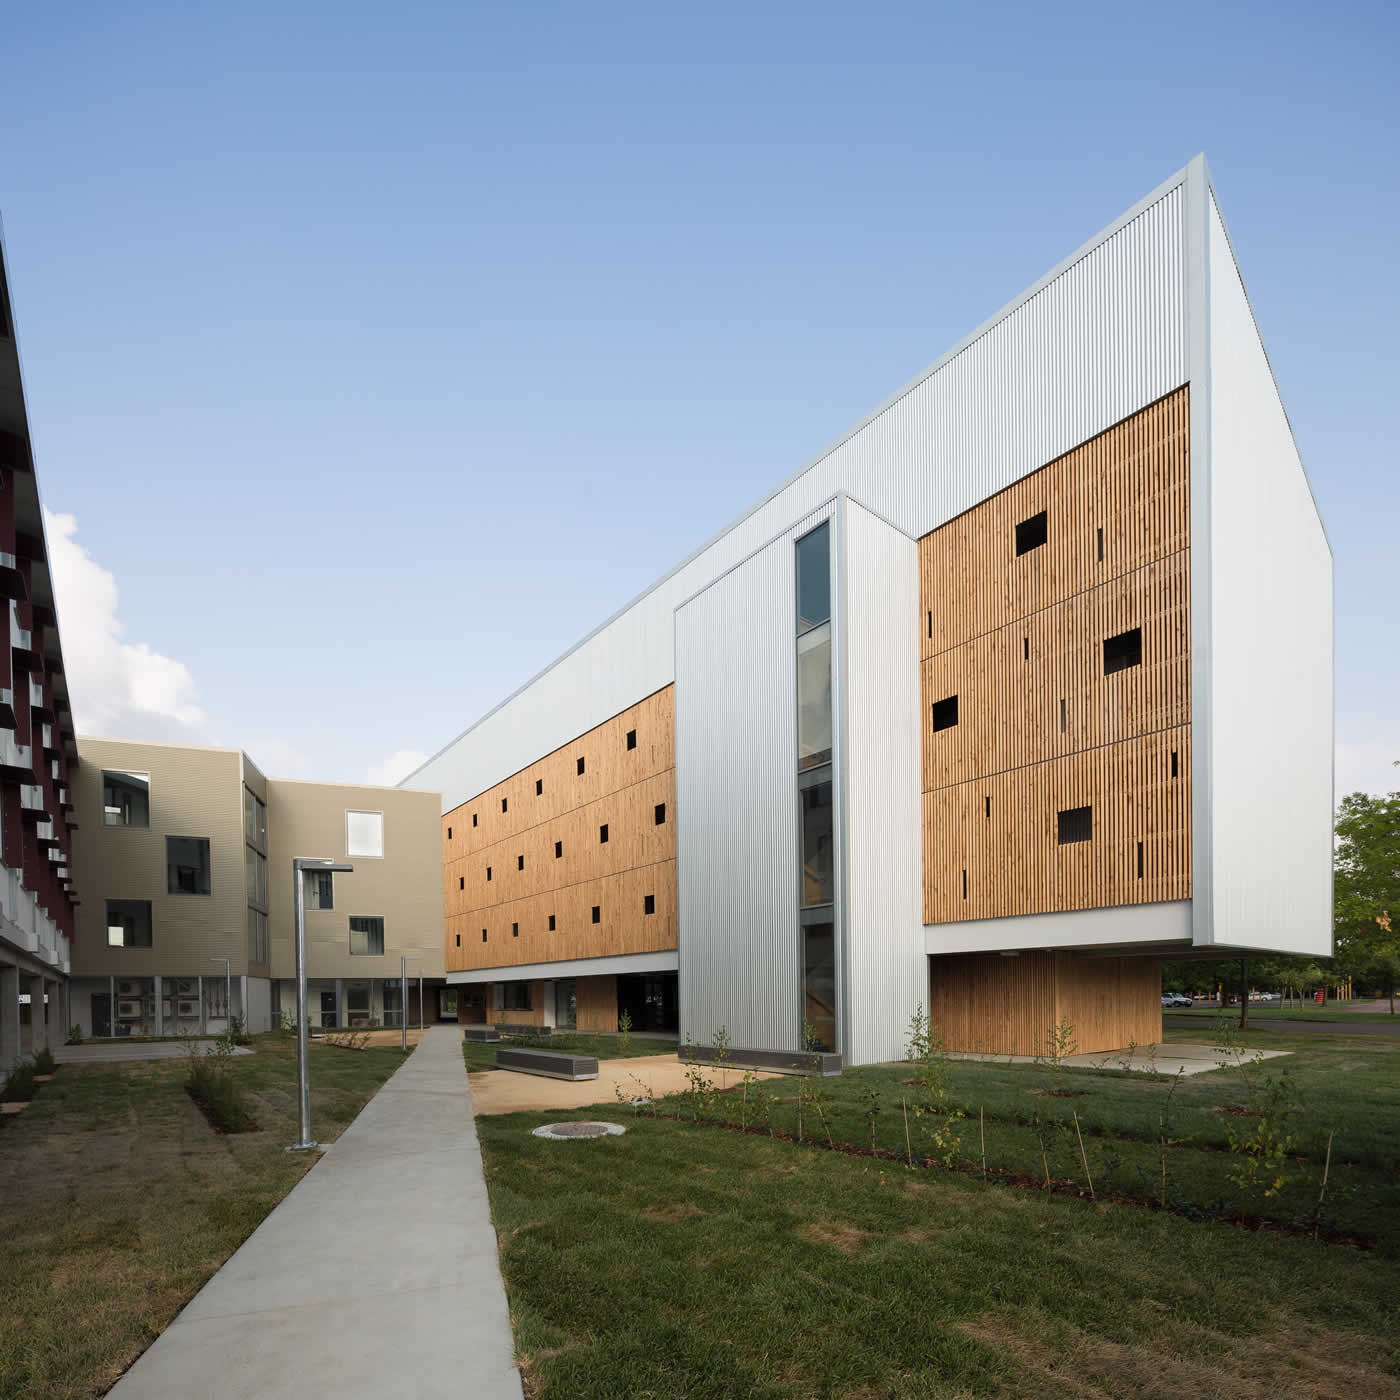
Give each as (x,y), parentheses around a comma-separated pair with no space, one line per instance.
(1038,727)
(551,807)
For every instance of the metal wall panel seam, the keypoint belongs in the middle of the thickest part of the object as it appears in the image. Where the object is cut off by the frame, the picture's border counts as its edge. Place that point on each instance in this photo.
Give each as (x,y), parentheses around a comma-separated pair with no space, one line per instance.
(839,693)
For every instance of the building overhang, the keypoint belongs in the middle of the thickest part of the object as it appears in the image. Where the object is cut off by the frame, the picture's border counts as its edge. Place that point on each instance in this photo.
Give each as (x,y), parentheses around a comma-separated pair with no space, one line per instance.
(576,967)
(1124,928)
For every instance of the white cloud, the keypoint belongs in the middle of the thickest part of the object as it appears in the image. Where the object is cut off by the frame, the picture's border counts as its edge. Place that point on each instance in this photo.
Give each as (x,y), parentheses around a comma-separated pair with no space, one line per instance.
(1368,767)
(395,768)
(118,688)
(277,758)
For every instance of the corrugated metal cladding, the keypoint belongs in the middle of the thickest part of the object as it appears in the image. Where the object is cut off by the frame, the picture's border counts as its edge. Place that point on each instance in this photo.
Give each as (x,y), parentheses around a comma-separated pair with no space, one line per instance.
(1100,340)
(886,966)
(736,801)
(1270,650)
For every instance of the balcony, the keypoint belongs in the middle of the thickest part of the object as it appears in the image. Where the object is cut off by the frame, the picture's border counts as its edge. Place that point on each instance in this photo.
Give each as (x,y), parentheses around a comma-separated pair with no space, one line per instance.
(46,833)
(16,760)
(7,707)
(39,708)
(11,580)
(53,744)
(22,642)
(31,801)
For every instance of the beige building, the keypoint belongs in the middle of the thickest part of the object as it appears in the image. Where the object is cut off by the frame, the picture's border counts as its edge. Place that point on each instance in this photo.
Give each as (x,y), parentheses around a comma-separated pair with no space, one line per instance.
(187,909)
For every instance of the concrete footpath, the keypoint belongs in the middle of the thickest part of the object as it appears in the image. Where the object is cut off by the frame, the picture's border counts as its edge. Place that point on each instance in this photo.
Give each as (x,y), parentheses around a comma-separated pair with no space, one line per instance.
(377,1275)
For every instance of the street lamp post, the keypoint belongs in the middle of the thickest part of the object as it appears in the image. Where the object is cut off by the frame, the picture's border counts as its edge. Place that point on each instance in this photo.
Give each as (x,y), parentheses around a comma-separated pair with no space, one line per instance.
(403,1001)
(228,988)
(304,1142)
(420,998)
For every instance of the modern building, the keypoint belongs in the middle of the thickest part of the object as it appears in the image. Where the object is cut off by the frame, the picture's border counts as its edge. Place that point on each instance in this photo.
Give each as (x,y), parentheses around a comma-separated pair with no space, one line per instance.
(1020,687)
(187,857)
(37,750)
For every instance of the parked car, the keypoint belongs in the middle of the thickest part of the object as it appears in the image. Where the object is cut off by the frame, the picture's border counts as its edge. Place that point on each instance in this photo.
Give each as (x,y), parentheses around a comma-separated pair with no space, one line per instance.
(1176,999)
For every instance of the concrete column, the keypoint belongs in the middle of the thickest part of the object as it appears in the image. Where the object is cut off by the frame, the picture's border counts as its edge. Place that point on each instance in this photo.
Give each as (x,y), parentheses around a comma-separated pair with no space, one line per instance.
(243,1000)
(9,1018)
(203,1010)
(57,1027)
(160,1014)
(340,1003)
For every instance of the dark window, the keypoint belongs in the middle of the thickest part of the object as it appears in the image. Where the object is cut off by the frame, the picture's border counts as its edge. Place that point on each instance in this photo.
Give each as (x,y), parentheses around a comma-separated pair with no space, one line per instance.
(473,818)
(1139,860)
(488,872)
(449,833)
(483,935)
(945,713)
(367,936)
(1062,716)
(520,862)
(649,904)
(964,884)
(1026,643)
(1076,824)
(597,913)
(930,624)
(558,849)
(128,923)
(603,834)
(988,801)
(1122,651)
(1100,544)
(813,579)
(580,767)
(631,738)
(1173,763)
(503,804)
(187,865)
(459,940)
(551,923)
(461,882)
(660,814)
(515,930)
(516,997)
(1030,534)
(539,787)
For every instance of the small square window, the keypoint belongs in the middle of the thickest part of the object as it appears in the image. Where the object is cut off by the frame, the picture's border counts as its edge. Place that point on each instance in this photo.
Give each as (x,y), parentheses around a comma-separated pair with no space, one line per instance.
(945,713)
(603,834)
(659,813)
(558,849)
(649,904)
(580,767)
(1031,534)
(551,923)
(128,923)
(126,800)
(515,930)
(520,862)
(1076,824)
(364,835)
(1123,651)
(597,913)
(539,787)
(631,738)
(367,936)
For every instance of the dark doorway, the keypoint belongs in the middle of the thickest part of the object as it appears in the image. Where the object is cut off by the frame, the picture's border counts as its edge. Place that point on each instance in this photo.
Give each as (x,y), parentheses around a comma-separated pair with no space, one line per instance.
(328,1011)
(101,1014)
(650,1000)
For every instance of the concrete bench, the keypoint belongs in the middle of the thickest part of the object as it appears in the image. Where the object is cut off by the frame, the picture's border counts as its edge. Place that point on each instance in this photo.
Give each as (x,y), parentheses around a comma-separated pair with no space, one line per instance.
(480,1033)
(551,1063)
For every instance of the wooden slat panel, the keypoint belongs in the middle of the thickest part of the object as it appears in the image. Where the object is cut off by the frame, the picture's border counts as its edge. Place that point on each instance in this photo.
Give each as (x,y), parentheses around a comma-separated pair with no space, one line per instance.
(595,1003)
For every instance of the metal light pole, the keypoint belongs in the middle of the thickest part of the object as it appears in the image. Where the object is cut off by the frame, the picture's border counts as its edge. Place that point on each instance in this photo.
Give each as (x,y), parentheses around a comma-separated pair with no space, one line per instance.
(304,1140)
(420,998)
(403,1001)
(228,988)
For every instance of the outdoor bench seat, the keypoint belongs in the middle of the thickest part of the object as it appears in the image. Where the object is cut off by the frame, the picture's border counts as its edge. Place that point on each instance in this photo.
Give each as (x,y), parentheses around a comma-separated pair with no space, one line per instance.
(551,1063)
(480,1033)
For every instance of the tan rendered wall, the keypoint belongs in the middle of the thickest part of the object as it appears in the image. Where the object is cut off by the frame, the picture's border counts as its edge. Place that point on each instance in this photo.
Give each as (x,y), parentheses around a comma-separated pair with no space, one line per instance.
(194,792)
(551,802)
(404,888)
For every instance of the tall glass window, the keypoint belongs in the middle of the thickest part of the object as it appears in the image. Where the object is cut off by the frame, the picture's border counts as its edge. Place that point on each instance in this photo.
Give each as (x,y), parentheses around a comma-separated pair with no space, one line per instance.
(817,833)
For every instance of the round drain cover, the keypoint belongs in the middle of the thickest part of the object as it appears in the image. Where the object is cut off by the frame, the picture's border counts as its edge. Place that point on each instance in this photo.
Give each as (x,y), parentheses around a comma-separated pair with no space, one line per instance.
(578,1130)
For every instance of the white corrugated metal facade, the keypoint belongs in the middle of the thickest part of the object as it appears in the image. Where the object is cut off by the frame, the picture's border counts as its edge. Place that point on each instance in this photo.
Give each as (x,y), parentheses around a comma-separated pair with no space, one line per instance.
(1270,650)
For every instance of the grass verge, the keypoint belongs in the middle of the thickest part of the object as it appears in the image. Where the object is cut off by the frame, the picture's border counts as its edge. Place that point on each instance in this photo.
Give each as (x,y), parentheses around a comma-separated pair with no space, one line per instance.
(123,1200)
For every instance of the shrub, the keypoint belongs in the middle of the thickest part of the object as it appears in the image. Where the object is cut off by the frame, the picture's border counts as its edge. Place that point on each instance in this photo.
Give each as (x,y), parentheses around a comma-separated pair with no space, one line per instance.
(75,1035)
(44,1061)
(236,1032)
(211,1085)
(20,1086)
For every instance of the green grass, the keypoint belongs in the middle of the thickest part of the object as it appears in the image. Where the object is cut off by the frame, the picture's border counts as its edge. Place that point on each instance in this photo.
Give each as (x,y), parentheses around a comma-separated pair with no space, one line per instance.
(688,1260)
(1335,1012)
(121,1201)
(481,1054)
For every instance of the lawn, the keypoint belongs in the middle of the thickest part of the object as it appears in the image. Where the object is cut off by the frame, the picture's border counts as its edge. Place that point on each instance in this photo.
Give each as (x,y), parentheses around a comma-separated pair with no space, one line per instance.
(691,1260)
(1334,1012)
(481,1054)
(121,1201)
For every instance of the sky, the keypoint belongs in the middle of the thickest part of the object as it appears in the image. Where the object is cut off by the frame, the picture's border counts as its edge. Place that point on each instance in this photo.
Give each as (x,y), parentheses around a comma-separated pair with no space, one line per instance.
(376,353)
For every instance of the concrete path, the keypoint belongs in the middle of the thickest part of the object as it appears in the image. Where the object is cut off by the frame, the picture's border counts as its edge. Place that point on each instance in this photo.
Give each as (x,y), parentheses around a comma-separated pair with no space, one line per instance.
(1172,1058)
(376,1277)
(111,1051)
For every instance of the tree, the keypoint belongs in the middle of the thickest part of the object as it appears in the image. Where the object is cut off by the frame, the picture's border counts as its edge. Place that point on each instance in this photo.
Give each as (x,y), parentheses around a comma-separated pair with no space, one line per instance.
(1367,887)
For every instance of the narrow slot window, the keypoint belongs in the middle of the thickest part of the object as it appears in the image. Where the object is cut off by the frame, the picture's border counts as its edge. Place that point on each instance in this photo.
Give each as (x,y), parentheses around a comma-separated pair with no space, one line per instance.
(539,787)
(930,624)
(1139,860)
(558,849)
(660,814)
(1076,824)
(603,834)
(520,862)
(551,923)
(1100,544)
(580,768)
(461,882)
(1122,652)
(1026,648)
(449,833)
(988,813)
(964,884)
(945,713)
(1173,763)
(488,872)
(631,738)
(1031,534)
(1062,716)
(649,904)
(515,930)
(597,914)
(483,935)
(503,804)
(459,940)
(473,818)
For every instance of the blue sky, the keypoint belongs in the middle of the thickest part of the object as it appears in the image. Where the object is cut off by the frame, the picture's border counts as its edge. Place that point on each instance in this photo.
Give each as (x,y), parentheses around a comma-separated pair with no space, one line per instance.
(376,353)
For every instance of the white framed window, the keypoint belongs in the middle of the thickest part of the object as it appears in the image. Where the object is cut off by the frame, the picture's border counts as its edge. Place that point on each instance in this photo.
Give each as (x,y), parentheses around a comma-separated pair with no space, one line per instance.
(366,936)
(320,889)
(364,835)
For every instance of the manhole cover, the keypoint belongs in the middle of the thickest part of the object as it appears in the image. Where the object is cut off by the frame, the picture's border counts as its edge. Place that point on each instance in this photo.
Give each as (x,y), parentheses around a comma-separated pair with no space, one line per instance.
(578,1130)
